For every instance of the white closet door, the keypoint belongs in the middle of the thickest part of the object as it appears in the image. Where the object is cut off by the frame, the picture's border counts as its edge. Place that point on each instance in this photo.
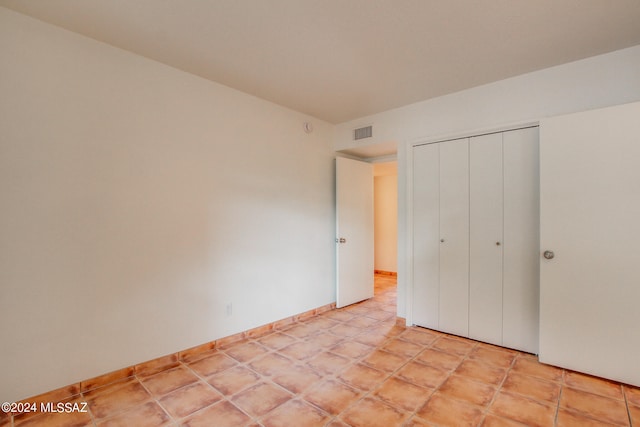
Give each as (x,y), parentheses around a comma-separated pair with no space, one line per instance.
(590,219)
(426,229)
(485,239)
(454,237)
(521,240)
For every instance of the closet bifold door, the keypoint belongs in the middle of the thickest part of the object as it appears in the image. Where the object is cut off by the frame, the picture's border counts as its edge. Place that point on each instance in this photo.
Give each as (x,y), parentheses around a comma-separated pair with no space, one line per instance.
(454,237)
(521,275)
(426,231)
(486,240)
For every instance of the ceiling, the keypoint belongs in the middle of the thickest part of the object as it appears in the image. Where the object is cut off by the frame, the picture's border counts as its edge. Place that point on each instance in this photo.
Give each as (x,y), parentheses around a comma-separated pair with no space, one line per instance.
(339,60)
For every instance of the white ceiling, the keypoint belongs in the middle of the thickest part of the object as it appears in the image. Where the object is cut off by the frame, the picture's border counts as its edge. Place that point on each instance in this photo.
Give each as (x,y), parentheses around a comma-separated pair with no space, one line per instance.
(342,59)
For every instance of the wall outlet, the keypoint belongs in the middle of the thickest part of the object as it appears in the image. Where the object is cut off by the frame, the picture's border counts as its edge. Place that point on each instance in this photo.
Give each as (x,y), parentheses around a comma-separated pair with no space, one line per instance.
(229,309)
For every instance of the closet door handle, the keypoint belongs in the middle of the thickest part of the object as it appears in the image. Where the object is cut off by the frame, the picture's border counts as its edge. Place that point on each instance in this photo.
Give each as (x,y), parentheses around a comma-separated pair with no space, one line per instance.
(498,243)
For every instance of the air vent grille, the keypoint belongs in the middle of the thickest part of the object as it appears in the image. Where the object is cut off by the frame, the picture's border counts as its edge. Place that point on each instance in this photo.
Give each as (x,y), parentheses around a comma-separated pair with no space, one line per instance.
(361,133)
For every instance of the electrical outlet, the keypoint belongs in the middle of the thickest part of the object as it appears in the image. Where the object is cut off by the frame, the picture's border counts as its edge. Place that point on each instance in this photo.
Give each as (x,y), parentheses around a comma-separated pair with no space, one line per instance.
(229,309)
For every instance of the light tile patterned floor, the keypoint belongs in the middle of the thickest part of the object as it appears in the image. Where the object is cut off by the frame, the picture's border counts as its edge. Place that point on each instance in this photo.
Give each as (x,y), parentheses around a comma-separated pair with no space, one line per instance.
(356,367)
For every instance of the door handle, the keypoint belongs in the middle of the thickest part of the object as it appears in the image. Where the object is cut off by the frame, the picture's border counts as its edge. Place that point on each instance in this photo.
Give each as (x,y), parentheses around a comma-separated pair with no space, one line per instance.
(341,240)
(548,254)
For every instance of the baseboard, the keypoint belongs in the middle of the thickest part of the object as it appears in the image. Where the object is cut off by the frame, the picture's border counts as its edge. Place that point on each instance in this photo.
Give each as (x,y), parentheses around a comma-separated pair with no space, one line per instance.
(386,273)
(165,362)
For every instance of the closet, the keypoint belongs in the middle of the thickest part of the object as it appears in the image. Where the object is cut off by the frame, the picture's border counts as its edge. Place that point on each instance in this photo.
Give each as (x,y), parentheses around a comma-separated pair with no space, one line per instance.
(476,237)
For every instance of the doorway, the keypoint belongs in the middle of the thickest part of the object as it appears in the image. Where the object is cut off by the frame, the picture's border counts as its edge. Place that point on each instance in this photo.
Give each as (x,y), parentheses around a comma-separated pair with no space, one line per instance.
(385,213)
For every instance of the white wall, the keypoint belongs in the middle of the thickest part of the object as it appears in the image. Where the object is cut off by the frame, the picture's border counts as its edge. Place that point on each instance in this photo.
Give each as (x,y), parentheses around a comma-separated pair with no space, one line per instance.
(137,201)
(385,200)
(595,82)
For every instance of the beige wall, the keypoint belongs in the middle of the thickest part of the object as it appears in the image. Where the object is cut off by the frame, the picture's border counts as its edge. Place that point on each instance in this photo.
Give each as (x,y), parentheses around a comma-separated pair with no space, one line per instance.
(137,201)
(386,216)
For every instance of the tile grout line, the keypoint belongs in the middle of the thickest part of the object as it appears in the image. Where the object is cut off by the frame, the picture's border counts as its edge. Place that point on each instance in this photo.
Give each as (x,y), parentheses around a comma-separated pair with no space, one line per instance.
(486,410)
(157,400)
(450,372)
(626,402)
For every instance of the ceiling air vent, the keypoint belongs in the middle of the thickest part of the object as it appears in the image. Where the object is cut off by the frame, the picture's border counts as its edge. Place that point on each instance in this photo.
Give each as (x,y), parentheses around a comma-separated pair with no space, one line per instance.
(361,133)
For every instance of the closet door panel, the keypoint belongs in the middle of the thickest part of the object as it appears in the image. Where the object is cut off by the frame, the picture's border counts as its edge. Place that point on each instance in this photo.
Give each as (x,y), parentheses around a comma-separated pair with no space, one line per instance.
(426,230)
(521,239)
(485,239)
(454,237)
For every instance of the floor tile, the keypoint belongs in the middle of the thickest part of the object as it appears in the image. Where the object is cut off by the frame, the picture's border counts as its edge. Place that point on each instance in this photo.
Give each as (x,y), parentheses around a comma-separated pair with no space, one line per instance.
(169,380)
(494,421)
(296,412)
(402,348)
(634,414)
(243,352)
(345,330)
(301,350)
(363,322)
(598,407)
(530,366)
(299,330)
(394,330)
(463,388)
(327,340)
(328,363)
(532,387)
(109,388)
(454,345)
(358,308)
(632,394)
(379,315)
(114,401)
(189,399)
(233,380)
(147,415)
(501,359)
(419,336)
(523,410)
(373,413)
(403,395)
(75,419)
(439,359)
(296,379)
(443,411)
(417,422)
(222,414)
(362,377)
(270,364)
(568,418)
(320,323)
(339,315)
(332,396)
(276,340)
(371,338)
(593,385)
(475,369)
(422,375)
(384,361)
(260,399)
(352,349)
(218,362)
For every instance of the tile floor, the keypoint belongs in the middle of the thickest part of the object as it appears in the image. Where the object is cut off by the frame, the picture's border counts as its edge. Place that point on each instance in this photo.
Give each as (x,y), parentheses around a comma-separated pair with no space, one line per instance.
(355,367)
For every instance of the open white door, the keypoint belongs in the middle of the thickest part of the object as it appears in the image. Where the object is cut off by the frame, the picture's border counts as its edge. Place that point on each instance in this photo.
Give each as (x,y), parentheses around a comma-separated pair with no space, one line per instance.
(354,231)
(590,238)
